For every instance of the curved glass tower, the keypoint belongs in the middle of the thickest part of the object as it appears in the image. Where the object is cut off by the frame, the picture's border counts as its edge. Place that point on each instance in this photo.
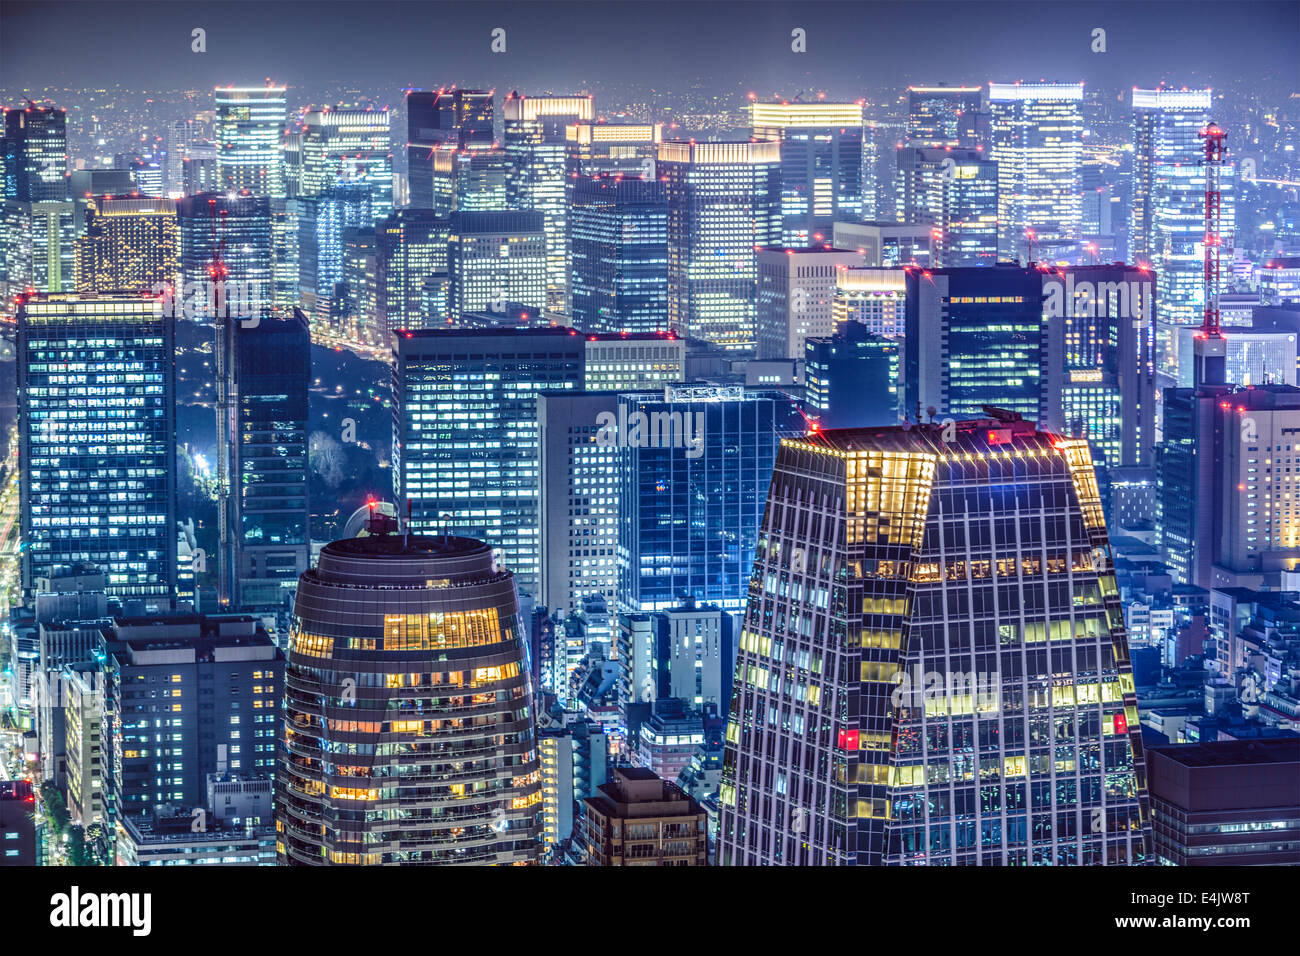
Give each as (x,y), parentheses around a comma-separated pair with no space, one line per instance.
(408,733)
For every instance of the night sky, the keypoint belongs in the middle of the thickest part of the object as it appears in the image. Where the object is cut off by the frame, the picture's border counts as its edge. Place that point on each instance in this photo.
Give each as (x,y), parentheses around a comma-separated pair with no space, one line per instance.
(563,45)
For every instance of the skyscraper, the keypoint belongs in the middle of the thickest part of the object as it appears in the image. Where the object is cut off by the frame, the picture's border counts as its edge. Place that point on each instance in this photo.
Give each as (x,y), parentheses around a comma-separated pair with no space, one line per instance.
(1037,142)
(694,463)
(249,123)
(263,373)
(129,244)
(939,116)
(851,378)
(724,201)
(237,230)
(322,223)
(343,146)
(618,255)
(36,154)
(411,651)
(796,292)
(910,691)
(535,142)
(494,258)
(410,246)
(964,203)
(465,435)
(977,337)
(578,500)
(821,165)
(451,119)
(1167,221)
(97,439)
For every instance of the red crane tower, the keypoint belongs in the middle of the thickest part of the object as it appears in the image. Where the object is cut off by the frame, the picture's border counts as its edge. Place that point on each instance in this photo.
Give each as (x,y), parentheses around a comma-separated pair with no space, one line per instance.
(1216,152)
(1210,350)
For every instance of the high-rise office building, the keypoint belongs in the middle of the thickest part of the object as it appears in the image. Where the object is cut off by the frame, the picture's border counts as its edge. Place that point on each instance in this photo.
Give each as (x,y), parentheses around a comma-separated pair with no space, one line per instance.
(129,244)
(577,501)
(871,297)
(1037,142)
(465,433)
(694,465)
(724,202)
(1167,213)
(906,701)
(1227,516)
(964,202)
(250,121)
(322,224)
(236,229)
(412,651)
(534,140)
(494,258)
(437,120)
(1107,318)
(97,439)
(169,726)
(469,180)
(345,146)
(821,165)
(35,154)
(851,378)
(618,255)
(410,246)
(263,518)
(796,291)
(944,116)
(633,362)
(38,250)
(887,244)
(977,337)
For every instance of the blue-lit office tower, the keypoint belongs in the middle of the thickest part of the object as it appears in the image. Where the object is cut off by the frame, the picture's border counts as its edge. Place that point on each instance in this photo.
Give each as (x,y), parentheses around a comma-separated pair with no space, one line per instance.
(534,140)
(465,435)
(1167,221)
(976,337)
(97,440)
(35,154)
(494,258)
(851,378)
(944,116)
(618,252)
(695,461)
(37,222)
(235,228)
(322,222)
(346,146)
(442,119)
(410,247)
(263,518)
(724,202)
(964,203)
(1037,141)
(249,125)
(1108,395)
(821,165)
